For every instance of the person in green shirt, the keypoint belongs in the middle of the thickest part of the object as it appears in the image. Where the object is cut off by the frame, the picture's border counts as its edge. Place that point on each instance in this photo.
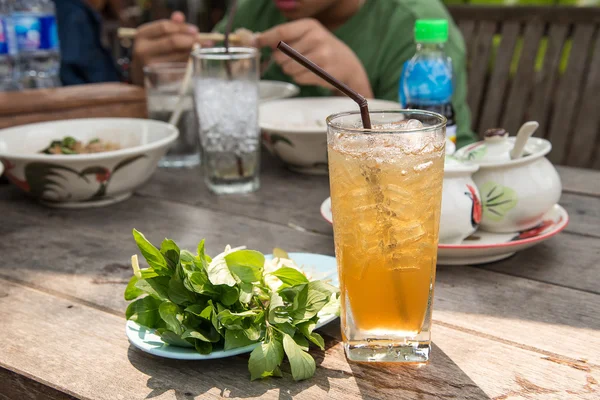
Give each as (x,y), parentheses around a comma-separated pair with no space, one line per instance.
(363,43)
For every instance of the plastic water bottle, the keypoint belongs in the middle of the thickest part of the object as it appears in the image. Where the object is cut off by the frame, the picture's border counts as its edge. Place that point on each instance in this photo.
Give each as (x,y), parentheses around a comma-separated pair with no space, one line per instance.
(37,43)
(426,80)
(8,50)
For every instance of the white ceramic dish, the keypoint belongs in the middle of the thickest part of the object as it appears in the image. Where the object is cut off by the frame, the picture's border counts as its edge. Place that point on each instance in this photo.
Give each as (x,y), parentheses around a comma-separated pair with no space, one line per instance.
(294,130)
(84,180)
(146,340)
(275,90)
(485,247)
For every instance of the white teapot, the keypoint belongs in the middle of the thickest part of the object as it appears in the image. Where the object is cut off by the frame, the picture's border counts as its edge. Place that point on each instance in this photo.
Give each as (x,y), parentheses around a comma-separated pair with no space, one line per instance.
(461,205)
(516,191)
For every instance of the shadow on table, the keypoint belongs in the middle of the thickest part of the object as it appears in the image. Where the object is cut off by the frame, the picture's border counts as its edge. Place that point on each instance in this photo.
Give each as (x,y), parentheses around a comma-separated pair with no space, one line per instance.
(229,377)
(440,379)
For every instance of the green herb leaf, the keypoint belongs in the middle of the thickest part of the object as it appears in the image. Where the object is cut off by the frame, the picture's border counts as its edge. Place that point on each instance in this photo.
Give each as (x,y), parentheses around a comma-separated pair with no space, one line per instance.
(235,339)
(232,320)
(290,276)
(306,328)
(157,286)
(323,287)
(144,311)
(202,257)
(132,292)
(172,316)
(307,304)
(178,293)
(332,307)
(280,253)
(277,312)
(301,363)
(200,284)
(170,252)
(152,255)
(228,294)
(203,347)
(174,339)
(301,341)
(265,359)
(209,335)
(218,272)
(246,265)
(246,292)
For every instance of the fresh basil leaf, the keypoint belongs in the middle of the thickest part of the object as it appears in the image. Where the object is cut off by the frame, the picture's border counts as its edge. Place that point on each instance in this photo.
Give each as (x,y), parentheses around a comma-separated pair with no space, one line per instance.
(171,314)
(200,284)
(178,293)
(323,287)
(170,252)
(332,307)
(289,293)
(132,292)
(148,273)
(286,328)
(277,312)
(174,339)
(280,253)
(210,335)
(253,332)
(152,255)
(157,286)
(228,294)
(290,276)
(203,347)
(219,274)
(235,339)
(306,328)
(232,320)
(265,359)
(202,311)
(203,259)
(307,304)
(301,341)
(301,363)
(246,292)
(144,311)
(247,265)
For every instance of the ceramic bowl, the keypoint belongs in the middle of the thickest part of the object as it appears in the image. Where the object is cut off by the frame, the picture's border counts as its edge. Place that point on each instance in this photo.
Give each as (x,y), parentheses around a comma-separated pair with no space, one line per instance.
(294,130)
(461,202)
(275,90)
(515,194)
(84,180)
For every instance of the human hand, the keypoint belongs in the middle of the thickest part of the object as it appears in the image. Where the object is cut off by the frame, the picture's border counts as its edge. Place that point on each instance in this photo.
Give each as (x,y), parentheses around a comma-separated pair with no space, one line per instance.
(314,41)
(167,40)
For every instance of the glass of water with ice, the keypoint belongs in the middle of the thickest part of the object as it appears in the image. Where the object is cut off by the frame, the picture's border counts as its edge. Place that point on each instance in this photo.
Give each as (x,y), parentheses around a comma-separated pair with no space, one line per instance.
(226,96)
(163,82)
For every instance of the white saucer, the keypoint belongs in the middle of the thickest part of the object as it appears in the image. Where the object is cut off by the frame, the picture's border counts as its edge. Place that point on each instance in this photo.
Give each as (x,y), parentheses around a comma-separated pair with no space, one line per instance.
(485,247)
(316,265)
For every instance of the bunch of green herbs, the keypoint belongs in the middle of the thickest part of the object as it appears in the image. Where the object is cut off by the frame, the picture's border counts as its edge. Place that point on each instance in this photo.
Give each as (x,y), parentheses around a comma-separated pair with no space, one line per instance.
(226,302)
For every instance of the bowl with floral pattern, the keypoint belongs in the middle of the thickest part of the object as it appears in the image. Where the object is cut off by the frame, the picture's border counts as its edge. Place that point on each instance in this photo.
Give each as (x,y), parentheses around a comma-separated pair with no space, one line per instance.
(84,180)
(515,193)
(294,130)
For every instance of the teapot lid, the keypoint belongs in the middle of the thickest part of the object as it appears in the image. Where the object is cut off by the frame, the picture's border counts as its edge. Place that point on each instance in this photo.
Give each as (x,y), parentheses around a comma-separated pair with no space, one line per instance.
(495,149)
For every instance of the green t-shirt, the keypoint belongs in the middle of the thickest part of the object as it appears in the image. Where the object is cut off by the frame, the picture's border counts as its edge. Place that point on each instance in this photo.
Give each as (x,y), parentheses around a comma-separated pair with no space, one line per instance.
(381,35)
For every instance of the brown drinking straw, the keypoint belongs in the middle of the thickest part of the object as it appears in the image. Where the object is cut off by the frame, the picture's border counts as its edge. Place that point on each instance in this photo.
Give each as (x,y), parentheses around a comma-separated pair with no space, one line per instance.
(227,33)
(315,69)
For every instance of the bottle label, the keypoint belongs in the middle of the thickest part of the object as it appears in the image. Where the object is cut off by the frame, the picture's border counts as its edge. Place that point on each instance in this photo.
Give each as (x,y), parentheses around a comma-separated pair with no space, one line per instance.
(35,32)
(3,36)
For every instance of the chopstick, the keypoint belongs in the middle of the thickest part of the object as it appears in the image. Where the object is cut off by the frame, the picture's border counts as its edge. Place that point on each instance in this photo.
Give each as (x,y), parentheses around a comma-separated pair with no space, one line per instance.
(129,33)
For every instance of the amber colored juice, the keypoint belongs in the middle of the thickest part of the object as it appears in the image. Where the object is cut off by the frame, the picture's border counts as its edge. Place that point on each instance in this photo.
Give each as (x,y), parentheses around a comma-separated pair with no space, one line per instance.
(386,210)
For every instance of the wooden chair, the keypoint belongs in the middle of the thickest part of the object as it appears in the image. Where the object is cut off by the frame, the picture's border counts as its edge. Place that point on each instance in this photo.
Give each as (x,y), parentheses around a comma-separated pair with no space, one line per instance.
(507,88)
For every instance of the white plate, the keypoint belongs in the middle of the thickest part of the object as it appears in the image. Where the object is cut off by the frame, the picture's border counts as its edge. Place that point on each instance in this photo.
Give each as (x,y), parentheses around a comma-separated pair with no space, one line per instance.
(316,265)
(485,247)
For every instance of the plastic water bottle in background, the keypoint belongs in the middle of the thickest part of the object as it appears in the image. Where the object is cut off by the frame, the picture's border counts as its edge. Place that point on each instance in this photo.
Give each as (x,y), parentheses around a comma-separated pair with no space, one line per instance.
(426,80)
(8,50)
(37,43)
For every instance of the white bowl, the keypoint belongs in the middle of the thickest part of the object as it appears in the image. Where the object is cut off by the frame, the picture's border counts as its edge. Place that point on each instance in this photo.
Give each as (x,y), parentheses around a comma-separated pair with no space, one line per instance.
(275,90)
(295,131)
(84,180)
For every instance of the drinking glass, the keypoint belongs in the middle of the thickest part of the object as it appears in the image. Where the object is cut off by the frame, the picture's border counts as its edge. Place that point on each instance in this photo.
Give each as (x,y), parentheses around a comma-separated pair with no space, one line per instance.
(386,191)
(226,96)
(163,82)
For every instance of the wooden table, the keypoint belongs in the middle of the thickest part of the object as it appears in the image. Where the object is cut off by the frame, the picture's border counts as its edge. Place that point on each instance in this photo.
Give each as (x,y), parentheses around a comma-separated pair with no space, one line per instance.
(524,328)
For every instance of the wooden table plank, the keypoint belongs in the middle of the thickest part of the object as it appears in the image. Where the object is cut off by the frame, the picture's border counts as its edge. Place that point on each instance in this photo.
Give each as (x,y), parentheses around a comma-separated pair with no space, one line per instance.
(100,364)
(61,252)
(579,180)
